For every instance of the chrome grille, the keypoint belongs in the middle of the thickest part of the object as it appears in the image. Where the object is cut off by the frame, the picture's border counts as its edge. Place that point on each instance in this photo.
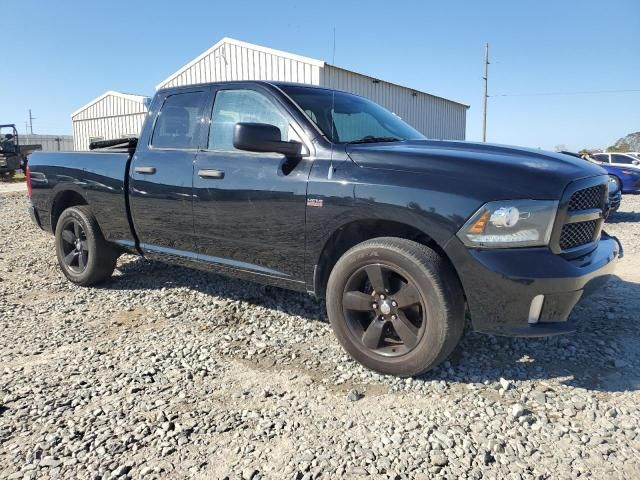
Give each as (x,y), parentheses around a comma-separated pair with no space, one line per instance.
(576,234)
(588,198)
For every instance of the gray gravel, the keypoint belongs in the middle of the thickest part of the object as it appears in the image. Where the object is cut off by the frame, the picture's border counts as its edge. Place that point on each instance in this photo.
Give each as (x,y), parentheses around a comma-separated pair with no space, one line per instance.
(167,372)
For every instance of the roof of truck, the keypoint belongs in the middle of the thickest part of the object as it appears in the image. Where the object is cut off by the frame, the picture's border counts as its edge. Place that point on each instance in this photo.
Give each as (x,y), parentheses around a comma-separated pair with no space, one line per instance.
(276,83)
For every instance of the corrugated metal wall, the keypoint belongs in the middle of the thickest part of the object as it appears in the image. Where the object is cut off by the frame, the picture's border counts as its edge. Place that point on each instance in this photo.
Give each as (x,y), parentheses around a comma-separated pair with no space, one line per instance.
(230,61)
(435,117)
(113,116)
(50,143)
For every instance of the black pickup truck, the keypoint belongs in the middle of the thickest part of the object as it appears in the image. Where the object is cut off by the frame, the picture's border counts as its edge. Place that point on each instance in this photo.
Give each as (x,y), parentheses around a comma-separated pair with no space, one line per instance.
(327,192)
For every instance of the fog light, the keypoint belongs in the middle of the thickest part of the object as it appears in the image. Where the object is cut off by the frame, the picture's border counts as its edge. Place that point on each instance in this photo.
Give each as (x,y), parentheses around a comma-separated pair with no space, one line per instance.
(536,308)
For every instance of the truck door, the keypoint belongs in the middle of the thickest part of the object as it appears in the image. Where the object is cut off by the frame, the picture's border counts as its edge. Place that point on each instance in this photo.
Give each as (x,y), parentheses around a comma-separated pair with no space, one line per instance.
(161,174)
(249,208)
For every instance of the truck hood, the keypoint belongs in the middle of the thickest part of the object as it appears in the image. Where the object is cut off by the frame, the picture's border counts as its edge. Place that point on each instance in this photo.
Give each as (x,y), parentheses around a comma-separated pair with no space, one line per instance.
(522,171)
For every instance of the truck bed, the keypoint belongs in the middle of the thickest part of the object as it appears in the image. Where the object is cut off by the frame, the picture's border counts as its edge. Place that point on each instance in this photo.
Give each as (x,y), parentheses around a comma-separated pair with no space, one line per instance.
(99,177)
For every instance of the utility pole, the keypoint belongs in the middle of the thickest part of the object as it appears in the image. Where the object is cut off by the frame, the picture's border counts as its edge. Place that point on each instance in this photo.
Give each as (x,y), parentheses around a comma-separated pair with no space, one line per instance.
(486,92)
(31,119)
(26,127)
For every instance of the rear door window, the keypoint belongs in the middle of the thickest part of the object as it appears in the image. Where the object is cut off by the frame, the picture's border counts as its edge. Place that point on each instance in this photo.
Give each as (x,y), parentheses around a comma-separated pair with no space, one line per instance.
(178,122)
(601,157)
(617,158)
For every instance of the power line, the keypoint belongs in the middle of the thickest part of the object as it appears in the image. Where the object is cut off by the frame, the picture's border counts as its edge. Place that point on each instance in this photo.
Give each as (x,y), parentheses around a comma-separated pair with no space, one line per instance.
(548,94)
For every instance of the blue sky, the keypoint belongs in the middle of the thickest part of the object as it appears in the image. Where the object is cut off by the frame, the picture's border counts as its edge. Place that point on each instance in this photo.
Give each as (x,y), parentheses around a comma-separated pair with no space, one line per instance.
(64,53)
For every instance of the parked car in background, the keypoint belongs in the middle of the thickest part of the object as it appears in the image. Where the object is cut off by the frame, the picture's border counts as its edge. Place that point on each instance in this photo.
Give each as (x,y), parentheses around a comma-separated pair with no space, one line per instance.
(615,195)
(615,192)
(625,167)
(636,155)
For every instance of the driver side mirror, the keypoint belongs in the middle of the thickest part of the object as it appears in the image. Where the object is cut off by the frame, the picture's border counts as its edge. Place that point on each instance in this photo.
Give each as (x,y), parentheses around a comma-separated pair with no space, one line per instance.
(262,137)
(636,162)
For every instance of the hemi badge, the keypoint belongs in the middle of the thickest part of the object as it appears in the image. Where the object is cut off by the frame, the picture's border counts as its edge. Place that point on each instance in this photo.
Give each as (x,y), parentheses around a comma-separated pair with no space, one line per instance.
(314,202)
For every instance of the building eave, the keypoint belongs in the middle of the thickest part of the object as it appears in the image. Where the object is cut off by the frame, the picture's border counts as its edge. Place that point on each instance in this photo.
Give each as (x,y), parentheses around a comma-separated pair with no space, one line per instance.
(128,96)
(376,79)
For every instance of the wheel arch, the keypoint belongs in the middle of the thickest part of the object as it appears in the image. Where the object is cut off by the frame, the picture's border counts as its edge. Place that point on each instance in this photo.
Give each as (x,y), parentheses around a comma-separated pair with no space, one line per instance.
(63,200)
(617,177)
(358,231)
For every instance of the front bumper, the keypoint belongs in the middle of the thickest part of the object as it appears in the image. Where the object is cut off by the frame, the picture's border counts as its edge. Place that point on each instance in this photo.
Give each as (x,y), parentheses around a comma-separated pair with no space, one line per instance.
(500,285)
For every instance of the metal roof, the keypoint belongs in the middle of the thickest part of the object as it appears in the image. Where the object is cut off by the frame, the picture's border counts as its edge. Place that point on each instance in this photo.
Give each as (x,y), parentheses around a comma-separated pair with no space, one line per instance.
(128,96)
(281,53)
(239,43)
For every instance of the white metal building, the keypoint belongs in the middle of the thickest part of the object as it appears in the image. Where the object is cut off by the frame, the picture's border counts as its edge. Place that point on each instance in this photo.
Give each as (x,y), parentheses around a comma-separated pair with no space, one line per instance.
(114,115)
(50,143)
(111,115)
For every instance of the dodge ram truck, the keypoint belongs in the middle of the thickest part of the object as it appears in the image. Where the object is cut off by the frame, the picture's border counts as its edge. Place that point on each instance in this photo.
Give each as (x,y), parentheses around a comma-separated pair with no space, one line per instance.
(323,191)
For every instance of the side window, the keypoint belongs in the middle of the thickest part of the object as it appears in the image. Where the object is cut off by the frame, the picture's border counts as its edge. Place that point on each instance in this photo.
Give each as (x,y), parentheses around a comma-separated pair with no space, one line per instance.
(617,158)
(234,106)
(178,120)
(601,157)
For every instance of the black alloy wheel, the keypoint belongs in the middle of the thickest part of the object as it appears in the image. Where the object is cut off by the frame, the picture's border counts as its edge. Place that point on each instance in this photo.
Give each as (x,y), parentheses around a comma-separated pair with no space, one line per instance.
(84,256)
(395,305)
(75,248)
(384,310)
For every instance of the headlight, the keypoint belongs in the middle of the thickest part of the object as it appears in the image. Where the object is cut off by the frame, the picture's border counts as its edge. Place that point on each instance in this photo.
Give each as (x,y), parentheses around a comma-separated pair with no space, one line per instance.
(510,223)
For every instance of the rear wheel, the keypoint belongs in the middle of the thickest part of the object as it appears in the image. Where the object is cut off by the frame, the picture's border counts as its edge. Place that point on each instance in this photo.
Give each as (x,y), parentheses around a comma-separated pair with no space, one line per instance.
(395,305)
(84,256)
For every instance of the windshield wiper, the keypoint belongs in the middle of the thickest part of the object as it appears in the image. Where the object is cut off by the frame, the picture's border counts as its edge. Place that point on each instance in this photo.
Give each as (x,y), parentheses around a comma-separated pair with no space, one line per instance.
(374,139)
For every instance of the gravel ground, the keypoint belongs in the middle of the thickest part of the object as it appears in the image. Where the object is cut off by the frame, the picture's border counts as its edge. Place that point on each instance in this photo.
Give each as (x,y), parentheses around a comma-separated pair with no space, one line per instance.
(6,187)
(166,372)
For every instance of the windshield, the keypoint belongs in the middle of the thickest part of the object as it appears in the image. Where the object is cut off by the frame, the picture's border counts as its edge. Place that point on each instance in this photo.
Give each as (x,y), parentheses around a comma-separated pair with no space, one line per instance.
(353,119)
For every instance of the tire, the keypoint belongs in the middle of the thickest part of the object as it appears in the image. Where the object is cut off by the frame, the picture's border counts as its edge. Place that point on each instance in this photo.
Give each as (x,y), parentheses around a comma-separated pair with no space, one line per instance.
(84,256)
(423,298)
(619,182)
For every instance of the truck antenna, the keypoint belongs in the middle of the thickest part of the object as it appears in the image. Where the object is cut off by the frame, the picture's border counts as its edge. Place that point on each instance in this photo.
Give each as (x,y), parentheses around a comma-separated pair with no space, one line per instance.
(333,106)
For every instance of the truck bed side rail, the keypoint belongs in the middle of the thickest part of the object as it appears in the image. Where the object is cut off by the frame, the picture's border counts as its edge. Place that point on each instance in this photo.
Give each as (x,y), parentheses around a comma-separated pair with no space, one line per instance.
(127,143)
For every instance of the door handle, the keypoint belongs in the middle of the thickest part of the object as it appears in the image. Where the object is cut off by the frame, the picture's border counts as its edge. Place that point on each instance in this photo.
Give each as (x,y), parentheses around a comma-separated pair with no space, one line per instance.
(215,174)
(145,170)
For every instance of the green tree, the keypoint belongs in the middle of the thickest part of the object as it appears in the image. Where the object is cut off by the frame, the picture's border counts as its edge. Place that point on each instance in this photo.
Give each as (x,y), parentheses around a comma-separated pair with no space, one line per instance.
(621,147)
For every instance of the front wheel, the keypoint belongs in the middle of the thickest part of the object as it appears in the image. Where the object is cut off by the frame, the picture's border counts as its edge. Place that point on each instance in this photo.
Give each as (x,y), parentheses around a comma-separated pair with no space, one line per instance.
(395,305)
(619,183)
(84,256)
